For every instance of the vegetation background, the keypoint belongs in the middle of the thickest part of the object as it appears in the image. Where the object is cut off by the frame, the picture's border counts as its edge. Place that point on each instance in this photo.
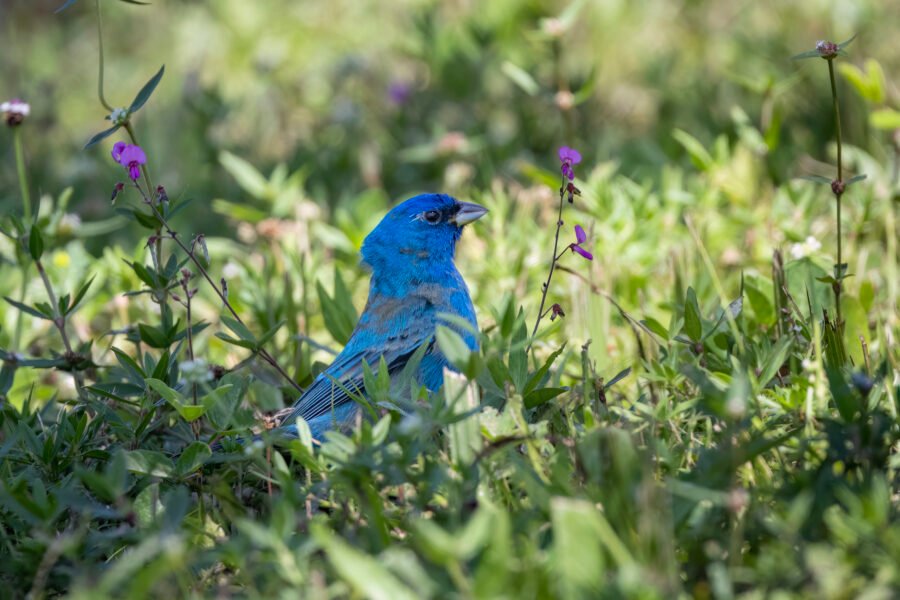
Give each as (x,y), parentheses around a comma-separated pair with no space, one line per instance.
(743,454)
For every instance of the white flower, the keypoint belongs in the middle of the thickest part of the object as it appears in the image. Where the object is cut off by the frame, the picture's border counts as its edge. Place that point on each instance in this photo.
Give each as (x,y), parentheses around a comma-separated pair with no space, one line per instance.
(17,107)
(805,248)
(564,99)
(118,116)
(195,371)
(69,223)
(231,270)
(14,111)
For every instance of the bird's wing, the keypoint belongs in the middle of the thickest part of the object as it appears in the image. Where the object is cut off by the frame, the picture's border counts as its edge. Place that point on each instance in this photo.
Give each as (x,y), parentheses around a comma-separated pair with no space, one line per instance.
(324,394)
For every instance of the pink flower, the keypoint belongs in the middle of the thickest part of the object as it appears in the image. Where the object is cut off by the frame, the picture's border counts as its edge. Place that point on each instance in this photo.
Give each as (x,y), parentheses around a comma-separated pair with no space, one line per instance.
(569,157)
(580,238)
(131,157)
(14,111)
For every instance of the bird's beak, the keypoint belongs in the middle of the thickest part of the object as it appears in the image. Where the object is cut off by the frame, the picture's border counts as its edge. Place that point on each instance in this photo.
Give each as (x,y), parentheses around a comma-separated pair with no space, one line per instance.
(468,212)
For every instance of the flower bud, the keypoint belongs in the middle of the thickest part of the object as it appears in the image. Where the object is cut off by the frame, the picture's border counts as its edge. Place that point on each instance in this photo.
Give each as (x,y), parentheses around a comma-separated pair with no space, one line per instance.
(14,111)
(826,49)
(837,187)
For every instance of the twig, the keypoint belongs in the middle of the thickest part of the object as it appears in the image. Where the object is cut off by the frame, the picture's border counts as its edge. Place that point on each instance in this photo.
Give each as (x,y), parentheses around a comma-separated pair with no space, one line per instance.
(546,288)
(263,353)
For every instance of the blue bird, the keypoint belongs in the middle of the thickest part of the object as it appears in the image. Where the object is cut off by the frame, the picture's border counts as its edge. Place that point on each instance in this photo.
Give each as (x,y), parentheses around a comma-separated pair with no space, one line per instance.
(410,253)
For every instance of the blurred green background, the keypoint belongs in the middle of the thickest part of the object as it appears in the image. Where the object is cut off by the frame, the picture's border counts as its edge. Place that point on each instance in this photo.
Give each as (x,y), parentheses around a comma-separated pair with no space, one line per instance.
(411,96)
(293,126)
(356,105)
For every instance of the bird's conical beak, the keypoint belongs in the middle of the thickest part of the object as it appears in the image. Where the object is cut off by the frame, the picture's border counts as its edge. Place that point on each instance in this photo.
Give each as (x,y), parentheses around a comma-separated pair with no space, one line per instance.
(468,212)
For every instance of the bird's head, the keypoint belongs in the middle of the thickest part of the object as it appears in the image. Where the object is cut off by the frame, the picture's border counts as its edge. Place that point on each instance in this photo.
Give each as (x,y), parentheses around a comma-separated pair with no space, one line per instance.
(421,230)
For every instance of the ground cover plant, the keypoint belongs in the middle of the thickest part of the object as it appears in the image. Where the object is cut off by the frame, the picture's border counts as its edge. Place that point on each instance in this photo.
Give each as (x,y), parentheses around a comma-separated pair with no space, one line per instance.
(687,289)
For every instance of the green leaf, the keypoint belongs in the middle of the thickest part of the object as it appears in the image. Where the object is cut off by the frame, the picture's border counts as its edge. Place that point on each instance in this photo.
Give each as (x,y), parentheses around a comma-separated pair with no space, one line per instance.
(338,321)
(153,336)
(149,462)
(775,359)
(518,360)
(699,155)
(453,346)
(365,574)
(461,397)
(521,78)
(101,136)
(693,325)
(235,342)
(816,179)
(192,458)
(35,243)
(885,118)
(134,370)
(147,90)
(188,412)
(844,399)
(538,376)
(239,329)
(807,54)
(246,175)
(29,310)
(271,332)
(655,327)
(578,560)
(542,395)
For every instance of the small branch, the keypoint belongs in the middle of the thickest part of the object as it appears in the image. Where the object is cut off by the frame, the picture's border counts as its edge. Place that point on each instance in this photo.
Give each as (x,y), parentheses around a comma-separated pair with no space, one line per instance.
(59,320)
(263,353)
(838,192)
(559,224)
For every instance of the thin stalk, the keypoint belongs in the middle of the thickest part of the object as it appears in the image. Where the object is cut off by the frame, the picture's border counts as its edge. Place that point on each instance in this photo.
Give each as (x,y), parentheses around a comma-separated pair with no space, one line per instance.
(263,353)
(59,320)
(555,257)
(26,206)
(838,192)
(103,101)
(20,170)
(157,250)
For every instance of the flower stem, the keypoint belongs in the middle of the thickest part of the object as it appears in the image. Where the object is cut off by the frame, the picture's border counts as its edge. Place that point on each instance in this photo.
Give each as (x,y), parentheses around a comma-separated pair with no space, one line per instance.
(839,274)
(59,320)
(103,101)
(263,353)
(157,249)
(26,207)
(555,257)
(20,170)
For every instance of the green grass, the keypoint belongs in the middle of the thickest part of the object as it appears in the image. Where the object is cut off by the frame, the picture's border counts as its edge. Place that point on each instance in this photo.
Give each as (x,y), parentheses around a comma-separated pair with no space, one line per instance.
(695,426)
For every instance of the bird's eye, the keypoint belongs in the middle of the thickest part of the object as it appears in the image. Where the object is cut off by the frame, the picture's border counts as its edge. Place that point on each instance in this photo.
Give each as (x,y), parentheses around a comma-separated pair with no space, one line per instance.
(432,216)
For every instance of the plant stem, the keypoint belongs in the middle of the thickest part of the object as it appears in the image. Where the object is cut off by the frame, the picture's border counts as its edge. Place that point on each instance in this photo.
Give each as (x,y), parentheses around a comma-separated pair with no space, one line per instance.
(264,354)
(59,320)
(103,101)
(20,170)
(555,257)
(157,250)
(26,207)
(838,192)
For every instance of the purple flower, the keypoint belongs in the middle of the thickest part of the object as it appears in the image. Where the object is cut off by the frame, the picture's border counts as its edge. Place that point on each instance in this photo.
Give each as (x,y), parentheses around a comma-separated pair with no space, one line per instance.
(569,157)
(131,157)
(827,49)
(580,238)
(399,92)
(556,311)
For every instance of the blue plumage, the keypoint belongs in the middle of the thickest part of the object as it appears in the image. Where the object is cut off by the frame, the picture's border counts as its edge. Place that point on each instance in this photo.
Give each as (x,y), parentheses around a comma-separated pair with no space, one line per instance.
(410,253)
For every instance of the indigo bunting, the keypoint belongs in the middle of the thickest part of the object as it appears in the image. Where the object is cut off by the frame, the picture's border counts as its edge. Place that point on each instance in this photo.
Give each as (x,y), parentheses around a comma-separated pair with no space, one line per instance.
(410,253)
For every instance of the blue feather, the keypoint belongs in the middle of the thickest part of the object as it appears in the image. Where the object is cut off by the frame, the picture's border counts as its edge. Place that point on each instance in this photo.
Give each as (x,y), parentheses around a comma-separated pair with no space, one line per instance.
(414,279)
